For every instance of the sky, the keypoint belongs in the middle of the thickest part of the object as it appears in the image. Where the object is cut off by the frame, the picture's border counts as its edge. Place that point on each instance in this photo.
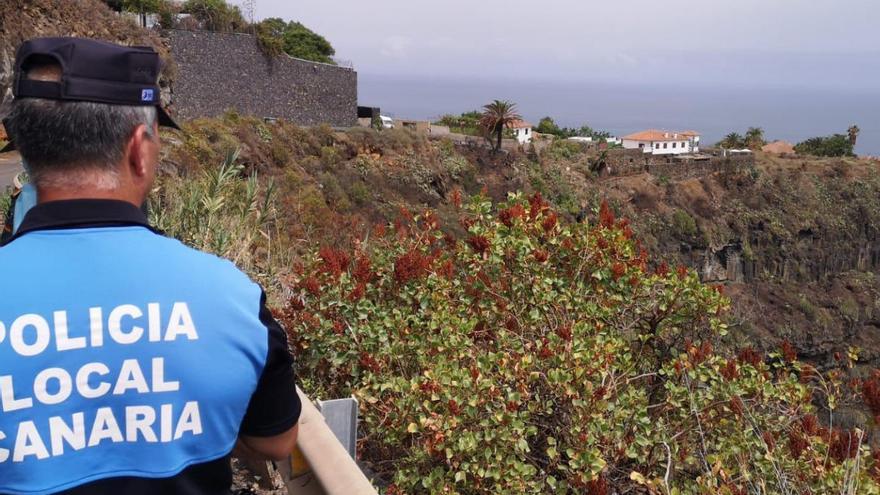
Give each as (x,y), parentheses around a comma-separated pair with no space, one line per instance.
(743,43)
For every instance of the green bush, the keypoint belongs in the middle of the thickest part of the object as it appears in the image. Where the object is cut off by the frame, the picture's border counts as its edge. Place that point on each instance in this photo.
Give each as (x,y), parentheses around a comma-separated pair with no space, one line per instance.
(334,193)
(684,224)
(537,357)
(833,146)
(216,15)
(564,149)
(277,36)
(360,193)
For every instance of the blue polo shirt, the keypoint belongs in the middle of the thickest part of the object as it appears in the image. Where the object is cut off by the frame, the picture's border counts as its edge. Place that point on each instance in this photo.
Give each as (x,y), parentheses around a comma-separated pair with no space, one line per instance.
(130,363)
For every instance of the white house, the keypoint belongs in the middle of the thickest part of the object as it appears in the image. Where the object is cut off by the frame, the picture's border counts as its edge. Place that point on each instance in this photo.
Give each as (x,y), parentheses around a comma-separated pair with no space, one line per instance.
(522,131)
(663,142)
(581,139)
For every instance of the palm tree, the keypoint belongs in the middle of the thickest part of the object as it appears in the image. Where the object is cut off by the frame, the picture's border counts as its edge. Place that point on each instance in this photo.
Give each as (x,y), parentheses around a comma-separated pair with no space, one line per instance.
(853,132)
(732,140)
(755,138)
(496,116)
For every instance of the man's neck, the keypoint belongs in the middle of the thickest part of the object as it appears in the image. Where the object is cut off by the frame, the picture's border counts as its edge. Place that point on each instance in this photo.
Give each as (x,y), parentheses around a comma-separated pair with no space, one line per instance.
(45,195)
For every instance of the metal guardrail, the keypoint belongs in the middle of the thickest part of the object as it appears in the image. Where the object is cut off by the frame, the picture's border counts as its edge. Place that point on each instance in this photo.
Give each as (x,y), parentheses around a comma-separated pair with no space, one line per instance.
(320,464)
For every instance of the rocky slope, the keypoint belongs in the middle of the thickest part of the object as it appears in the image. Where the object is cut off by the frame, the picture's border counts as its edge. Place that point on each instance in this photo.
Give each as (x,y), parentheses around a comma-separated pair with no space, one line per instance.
(24,19)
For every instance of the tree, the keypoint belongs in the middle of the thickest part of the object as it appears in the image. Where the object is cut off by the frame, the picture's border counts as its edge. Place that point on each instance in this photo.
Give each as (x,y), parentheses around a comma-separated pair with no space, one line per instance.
(833,146)
(276,36)
(466,123)
(587,131)
(496,116)
(853,133)
(732,140)
(548,126)
(754,138)
(216,15)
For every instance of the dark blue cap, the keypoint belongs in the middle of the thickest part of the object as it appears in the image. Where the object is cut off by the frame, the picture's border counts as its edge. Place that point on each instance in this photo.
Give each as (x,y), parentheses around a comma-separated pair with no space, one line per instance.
(95,71)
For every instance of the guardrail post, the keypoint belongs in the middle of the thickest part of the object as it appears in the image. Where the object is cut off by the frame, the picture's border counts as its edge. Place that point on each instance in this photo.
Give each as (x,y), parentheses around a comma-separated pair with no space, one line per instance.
(320,464)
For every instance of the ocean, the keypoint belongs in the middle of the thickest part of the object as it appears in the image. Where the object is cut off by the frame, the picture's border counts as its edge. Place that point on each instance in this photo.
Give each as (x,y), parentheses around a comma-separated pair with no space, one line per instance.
(783,113)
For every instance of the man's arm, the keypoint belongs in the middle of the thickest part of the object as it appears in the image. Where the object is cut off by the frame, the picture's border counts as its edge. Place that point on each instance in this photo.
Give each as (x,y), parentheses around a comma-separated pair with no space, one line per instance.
(274,448)
(269,428)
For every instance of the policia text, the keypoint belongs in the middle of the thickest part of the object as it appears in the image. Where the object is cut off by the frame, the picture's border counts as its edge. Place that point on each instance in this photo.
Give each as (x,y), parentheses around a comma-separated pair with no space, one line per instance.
(30,335)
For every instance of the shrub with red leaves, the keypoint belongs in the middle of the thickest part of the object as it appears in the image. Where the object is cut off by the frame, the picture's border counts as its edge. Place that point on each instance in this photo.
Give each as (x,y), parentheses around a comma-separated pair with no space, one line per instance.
(788,351)
(730,371)
(871,393)
(749,355)
(769,440)
(810,425)
(479,243)
(537,205)
(662,270)
(508,215)
(844,444)
(363,270)
(606,216)
(550,222)
(410,266)
(540,255)
(797,444)
(311,285)
(335,261)
(455,197)
(540,342)
(598,486)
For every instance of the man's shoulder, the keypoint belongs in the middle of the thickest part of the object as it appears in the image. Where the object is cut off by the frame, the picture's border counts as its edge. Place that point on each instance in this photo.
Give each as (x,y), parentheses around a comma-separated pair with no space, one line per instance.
(140,249)
(192,259)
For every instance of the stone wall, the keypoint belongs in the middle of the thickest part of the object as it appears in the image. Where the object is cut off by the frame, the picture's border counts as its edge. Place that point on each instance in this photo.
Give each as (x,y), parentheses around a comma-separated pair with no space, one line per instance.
(221,71)
(620,162)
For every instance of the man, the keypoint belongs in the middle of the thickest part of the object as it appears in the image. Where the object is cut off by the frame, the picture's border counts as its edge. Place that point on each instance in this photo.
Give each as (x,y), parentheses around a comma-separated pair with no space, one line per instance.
(129,363)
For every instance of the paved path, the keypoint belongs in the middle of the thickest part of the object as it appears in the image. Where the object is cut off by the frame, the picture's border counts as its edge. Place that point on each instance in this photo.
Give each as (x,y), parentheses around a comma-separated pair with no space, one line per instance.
(10,166)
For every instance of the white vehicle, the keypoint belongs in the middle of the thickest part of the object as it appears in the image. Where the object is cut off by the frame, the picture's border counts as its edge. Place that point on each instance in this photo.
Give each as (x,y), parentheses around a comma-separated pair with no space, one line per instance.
(387,122)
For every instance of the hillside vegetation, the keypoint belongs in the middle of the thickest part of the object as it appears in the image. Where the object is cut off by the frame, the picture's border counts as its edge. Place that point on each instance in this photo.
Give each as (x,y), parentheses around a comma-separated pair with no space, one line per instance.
(24,19)
(353,307)
(602,362)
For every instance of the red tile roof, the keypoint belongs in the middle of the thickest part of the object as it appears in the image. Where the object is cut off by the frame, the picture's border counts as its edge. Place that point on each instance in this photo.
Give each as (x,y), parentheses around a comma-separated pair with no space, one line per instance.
(658,135)
(519,124)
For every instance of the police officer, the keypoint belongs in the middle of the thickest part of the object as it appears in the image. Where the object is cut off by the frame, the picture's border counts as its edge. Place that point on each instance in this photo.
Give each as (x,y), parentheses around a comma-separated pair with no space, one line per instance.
(129,363)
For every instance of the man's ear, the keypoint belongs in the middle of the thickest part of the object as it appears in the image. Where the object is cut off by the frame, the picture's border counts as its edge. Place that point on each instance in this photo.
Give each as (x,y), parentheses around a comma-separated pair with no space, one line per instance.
(140,147)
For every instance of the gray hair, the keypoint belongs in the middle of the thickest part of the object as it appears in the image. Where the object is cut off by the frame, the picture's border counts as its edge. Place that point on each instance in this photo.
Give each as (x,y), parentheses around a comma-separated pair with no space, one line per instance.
(74,142)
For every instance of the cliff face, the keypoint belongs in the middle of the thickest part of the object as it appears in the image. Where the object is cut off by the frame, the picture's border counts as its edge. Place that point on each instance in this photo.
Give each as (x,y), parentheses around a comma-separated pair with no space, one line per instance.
(24,19)
(795,241)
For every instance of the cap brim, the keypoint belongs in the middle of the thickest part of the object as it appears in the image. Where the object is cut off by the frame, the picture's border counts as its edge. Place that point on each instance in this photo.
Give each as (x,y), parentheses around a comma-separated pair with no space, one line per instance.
(165,120)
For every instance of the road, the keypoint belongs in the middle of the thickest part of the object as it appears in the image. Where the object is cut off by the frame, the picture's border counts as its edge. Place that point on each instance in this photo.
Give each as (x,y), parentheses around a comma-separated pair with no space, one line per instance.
(10,166)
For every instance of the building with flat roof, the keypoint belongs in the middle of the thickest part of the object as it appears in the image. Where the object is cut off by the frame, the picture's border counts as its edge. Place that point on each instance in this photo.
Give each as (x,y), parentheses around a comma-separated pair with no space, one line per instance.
(660,142)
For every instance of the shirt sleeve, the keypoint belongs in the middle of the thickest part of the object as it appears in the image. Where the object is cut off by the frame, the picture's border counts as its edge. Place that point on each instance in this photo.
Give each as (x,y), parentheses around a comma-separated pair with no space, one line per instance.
(274,406)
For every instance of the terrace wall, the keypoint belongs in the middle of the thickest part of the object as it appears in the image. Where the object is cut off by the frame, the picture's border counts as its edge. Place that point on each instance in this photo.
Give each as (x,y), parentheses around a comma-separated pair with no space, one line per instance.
(221,71)
(621,162)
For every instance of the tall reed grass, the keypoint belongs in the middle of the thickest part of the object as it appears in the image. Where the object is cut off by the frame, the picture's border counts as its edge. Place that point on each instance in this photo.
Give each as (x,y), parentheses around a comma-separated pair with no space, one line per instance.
(223,210)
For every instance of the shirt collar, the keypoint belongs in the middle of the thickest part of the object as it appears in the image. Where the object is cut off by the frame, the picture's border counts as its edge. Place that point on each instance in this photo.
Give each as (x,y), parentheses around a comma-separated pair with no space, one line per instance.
(81,213)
